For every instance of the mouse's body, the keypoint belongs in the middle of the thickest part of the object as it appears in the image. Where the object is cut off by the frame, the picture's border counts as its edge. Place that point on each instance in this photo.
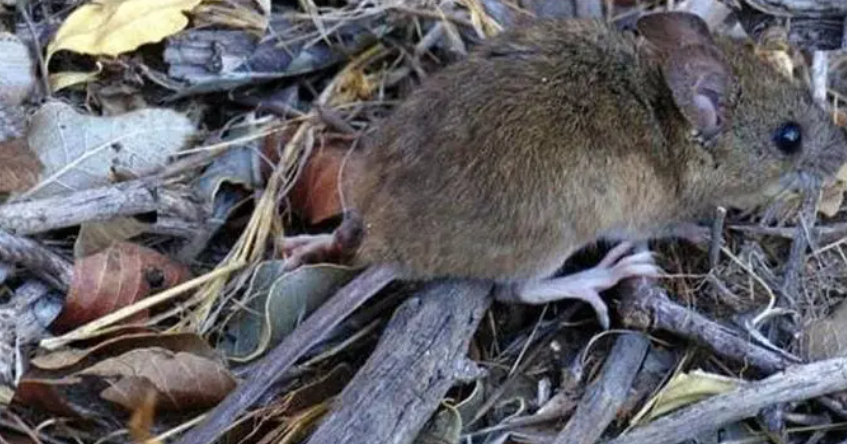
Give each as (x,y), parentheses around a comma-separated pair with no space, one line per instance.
(501,166)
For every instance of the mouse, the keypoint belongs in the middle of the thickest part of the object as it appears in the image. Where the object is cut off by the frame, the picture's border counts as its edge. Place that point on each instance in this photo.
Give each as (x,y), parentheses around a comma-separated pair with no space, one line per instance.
(550,137)
(555,135)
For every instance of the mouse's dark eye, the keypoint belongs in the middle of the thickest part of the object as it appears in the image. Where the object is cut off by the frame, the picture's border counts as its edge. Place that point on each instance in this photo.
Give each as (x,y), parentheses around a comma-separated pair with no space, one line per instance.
(788,137)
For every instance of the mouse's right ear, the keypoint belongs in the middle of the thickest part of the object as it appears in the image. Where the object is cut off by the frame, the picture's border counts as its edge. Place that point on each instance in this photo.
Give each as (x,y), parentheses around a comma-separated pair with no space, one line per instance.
(694,69)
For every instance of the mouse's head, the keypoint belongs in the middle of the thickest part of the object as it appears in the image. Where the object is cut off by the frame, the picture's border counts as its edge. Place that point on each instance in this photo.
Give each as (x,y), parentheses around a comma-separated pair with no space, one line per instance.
(760,131)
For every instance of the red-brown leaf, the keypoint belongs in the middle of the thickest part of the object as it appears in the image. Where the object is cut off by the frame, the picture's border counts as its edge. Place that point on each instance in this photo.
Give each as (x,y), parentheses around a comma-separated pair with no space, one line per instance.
(316,194)
(20,168)
(114,278)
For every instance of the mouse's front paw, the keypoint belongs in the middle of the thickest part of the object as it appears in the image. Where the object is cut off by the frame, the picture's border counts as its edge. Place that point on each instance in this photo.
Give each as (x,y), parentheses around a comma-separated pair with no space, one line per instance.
(307,249)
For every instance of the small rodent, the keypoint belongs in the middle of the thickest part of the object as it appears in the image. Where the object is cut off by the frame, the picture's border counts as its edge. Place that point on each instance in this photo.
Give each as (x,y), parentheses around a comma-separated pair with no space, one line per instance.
(548,137)
(554,135)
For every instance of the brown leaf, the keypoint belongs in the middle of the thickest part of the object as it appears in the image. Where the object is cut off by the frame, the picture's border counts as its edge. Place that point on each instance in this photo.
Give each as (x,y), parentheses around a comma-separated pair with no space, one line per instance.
(315,195)
(114,278)
(71,396)
(20,168)
(68,361)
(182,381)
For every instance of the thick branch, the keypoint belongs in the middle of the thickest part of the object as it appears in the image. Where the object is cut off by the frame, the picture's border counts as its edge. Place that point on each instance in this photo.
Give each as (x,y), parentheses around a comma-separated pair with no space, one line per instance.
(798,383)
(422,353)
(123,199)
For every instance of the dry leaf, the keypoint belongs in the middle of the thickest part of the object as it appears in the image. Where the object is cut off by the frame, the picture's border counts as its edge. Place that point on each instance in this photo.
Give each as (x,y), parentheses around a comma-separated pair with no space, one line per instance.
(316,193)
(688,388)
(826,337)
(277,301)
(112,27)
(115,278)
(180,381)
(17,71)
(68,361)
(80,151)
(19,166)
(97,236)
(833,195)
(62,80)
(183,381)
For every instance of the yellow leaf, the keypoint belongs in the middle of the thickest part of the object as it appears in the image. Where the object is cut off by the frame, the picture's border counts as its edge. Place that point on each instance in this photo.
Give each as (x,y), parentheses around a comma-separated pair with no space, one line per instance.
(62,80)
(112,27)
(688,388)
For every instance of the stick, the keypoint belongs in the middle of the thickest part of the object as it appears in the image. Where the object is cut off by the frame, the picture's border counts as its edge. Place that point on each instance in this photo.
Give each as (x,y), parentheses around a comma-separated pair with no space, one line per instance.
(421,354)
(797,383)
(104,203)
(604,399)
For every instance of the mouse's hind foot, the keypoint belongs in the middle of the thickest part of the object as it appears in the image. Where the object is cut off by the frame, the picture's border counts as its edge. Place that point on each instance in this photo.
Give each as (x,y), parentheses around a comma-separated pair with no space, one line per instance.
(619,264)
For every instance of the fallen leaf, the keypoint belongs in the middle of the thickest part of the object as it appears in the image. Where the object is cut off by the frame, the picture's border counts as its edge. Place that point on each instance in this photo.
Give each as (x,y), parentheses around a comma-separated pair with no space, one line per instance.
(112,27)
(71,396)
(276,302)
(833,195)
(182,381)
(121,382)
(97,236)
(66,79)
(826,337)
(17,70)
(80,151)
(114,278)
(687,388)
(68,361)
(316,193)
(19,166)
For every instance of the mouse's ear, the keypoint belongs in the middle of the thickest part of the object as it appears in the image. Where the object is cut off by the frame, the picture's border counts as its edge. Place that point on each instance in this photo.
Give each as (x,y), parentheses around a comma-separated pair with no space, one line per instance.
(702,86)
(694,69)
(670,30)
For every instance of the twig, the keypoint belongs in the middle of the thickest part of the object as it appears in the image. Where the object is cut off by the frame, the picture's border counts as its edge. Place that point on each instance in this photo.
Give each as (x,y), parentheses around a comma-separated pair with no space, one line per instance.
(605,397)
(717,237)
(646,306)
(797,383)
(420,356)
(47,265)
(123,199)
(797,255)
(36,42)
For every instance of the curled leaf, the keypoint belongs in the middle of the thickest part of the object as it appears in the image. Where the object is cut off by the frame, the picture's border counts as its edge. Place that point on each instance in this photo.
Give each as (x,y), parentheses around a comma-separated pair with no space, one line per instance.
(115,278)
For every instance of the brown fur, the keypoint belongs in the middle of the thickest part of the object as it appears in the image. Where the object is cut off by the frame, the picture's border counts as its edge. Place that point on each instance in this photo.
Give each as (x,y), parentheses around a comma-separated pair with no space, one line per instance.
(553,135)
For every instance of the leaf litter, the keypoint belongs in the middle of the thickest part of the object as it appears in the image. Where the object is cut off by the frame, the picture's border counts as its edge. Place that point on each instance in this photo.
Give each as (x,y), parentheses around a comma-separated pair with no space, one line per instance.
(251,106)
